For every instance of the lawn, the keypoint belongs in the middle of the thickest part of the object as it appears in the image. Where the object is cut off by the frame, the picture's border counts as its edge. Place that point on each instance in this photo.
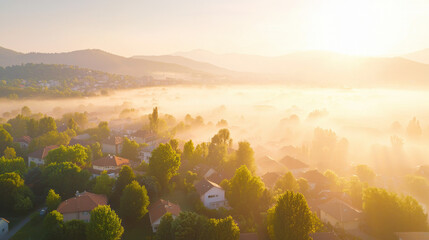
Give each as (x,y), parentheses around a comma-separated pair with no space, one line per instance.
(32,230)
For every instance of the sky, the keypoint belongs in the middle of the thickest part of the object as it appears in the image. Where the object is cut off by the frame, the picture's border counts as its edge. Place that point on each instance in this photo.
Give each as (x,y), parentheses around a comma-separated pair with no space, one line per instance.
(262,27)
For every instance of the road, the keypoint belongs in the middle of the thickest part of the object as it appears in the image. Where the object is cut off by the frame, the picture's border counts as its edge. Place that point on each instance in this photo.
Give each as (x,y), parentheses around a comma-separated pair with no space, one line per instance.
(17,227)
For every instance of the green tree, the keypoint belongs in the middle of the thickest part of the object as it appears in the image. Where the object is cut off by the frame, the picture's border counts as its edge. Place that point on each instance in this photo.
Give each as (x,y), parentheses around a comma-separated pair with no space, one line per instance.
(33,127)
(154,120)
(13,165)
(96,151)
(365,173)
(75,154)
(104,224)
(130,149)
(126,176)
(287,183)
(13,193)
(9,153)
(25,111)
(53,226)
(46,125)
(174,143)
(5,139)
(218,148)
(245,156)
(163,164)
(386,212)
(291,218)
(164,231)
(54,176)
(53,200)
(244,191)
(134,201)
(71,124)
(18,127)
(75,229)
(225,229)
(103,184)
(188,152)
(188,225)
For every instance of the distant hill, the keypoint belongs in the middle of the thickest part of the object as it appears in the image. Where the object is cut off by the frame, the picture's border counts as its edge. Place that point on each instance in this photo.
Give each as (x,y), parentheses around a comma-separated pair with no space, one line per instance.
(186,62)
(321,68)
(97,60)
(419,56)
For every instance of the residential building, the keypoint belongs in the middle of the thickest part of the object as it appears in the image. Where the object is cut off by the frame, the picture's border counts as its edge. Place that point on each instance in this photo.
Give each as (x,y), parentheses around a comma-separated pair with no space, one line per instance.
(211,194)
(109,163)
(112,145)
(340,214)
(38,157)
(4,227)
(24,141)
(294,165)
(159,209)
(81,205)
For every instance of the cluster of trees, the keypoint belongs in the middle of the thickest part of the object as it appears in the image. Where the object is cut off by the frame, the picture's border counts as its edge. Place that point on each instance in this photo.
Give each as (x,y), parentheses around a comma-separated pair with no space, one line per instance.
(189,225)
(104,224)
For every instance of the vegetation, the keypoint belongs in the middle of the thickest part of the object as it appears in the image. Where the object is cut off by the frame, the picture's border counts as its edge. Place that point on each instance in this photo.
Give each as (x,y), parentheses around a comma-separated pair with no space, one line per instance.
(104,224)
(134,201)
(52,200)
(163,164)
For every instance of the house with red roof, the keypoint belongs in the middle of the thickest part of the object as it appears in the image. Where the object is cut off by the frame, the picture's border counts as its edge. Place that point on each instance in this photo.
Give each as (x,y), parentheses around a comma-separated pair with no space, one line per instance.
(159,209)
(24,141)
(38,157)
(109,163)
(79,206)
(112,145)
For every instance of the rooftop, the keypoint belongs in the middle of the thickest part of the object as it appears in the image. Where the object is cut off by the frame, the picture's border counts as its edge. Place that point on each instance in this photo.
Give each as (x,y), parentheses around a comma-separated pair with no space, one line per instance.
(110,160)
(293,163)
(161,207)
(43,152)
(82,202)
(340,211)
(205,185)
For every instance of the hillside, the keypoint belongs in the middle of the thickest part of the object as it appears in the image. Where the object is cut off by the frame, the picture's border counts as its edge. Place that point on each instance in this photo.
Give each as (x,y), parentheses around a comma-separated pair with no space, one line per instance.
(419,56)
(97,60)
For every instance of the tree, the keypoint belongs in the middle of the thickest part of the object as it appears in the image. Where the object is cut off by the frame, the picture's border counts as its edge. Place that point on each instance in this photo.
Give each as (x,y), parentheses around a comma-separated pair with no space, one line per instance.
(13,165)
(71,124)
(75,229)
(46,125)
(218,147)
(75,154)
(33,127)
(53,200)
(130,149)
(18,127)
(386,212)
(245,156)
(13,193)
(104,224)
(304,187)
(5,139)
(163,164)
(134,201)
(103,184)
(225,229)
(413,129)
(244,191)
(188,152)
(188,225)
(9,153)
(164,231)
(291,218)
(174,143)
(365,173)
(126,176)
(96,151)
(54,176)
(153,120)
(287,183)
(53,225)
(25,111)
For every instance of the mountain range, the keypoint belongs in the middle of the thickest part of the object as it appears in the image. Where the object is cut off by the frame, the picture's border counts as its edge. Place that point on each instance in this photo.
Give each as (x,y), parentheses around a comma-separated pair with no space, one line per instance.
(313,68)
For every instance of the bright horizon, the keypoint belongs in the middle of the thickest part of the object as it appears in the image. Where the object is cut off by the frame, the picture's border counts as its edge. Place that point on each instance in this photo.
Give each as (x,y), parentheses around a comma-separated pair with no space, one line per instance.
(271,28)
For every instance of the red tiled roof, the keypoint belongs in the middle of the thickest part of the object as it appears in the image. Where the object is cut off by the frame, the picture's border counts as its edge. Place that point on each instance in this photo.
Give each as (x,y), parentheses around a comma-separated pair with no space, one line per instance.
(83,202)
(161,207)
(111,160)
(24,139)
(41,153)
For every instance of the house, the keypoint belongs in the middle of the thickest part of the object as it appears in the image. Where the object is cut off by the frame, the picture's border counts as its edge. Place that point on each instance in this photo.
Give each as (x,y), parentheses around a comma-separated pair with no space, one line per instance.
(203,170)
(324,236)
(315,179)
(268,164)
(80,206)
(24,141)
(142,136)
(38,156)
(218,177)
(159,209)
(294,165)
(211,194)
(112,145)
(412,235)
(4,227)
(109,163)
(270,179)
(340,214)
